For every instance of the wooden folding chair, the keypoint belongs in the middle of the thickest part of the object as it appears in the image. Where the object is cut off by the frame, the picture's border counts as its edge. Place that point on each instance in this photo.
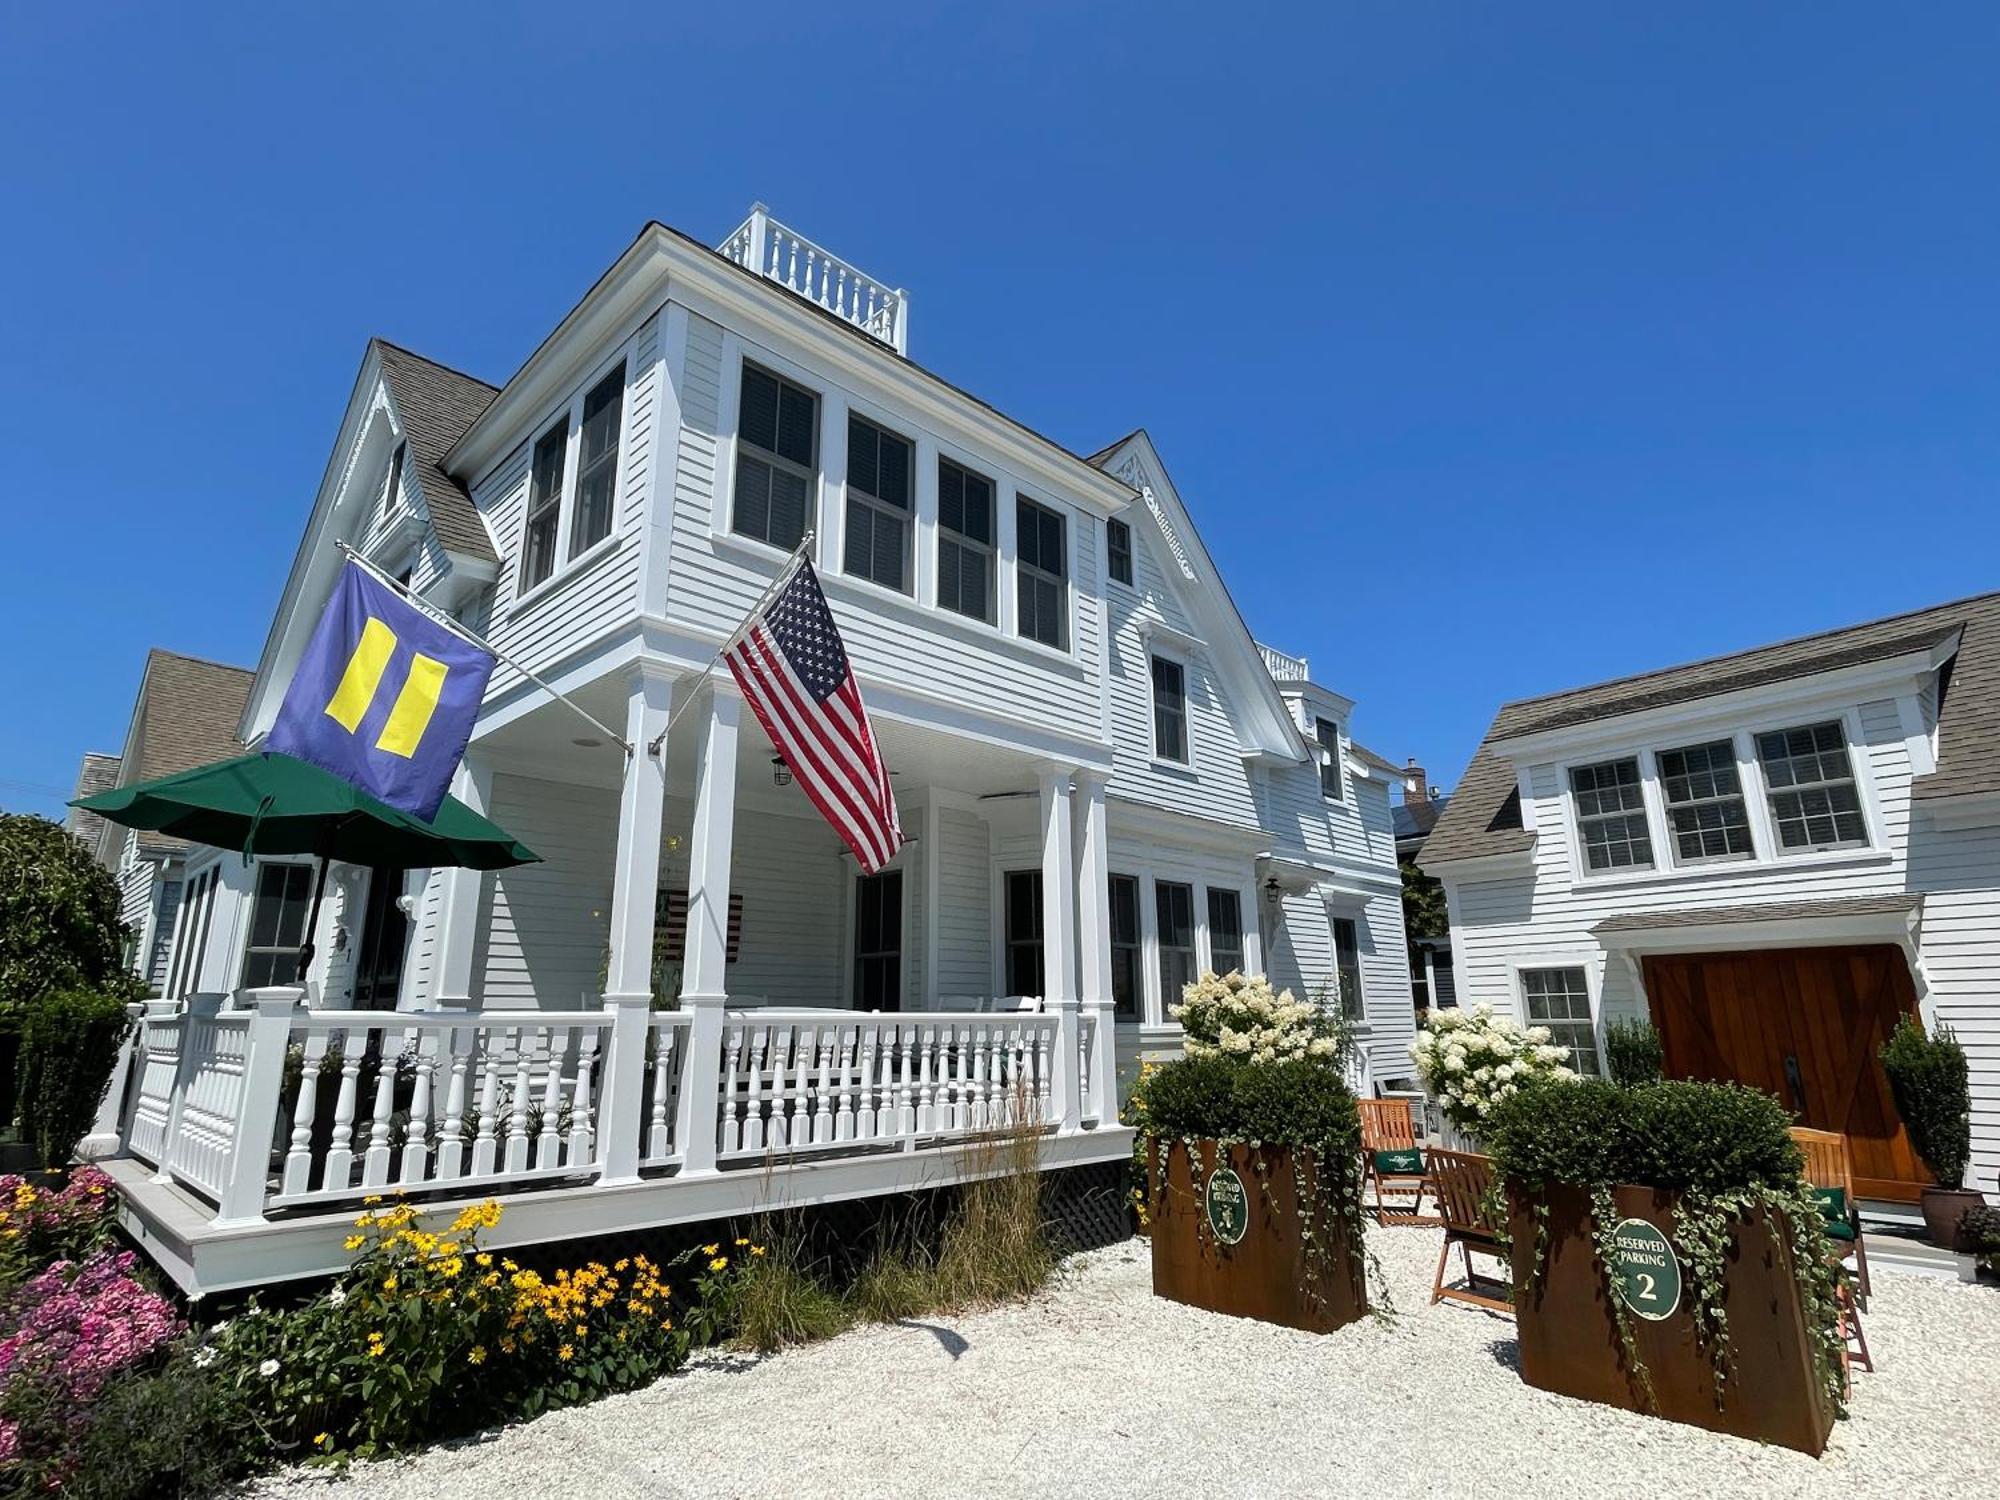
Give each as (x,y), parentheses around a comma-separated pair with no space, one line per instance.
(1829,1171)
(1392,1161)
(1461,1180)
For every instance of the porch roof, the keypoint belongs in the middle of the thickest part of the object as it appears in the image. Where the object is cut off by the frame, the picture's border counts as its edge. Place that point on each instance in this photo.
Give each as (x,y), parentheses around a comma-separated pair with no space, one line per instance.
(1881,918)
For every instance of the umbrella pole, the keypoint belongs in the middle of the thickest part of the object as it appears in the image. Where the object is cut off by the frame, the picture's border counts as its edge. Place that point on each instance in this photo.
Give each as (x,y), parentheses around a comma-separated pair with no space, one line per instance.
(312,921)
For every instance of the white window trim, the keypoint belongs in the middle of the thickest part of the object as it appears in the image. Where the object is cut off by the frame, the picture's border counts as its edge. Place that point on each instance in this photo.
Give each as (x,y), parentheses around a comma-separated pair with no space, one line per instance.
(571,413)
(1592,964)
(1131,548)
(1767,855)
(1155,647)
(1338,752)
(911,539)
(903,865)
(248,925)
(931,453)
(1010,536)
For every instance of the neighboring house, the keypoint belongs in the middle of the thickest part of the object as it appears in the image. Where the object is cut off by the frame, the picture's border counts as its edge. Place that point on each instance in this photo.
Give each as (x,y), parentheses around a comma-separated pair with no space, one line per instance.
(1431,977)
(1773,854)
(1108,786)
(186,715)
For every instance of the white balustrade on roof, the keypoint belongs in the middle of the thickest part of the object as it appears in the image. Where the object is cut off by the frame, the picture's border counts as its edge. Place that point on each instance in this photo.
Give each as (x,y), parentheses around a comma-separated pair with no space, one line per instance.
(781,254)
(1283,665)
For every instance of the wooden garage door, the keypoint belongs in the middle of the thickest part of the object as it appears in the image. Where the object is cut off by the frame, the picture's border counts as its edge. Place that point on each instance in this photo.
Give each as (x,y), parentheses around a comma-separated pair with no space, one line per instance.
(1804,1024)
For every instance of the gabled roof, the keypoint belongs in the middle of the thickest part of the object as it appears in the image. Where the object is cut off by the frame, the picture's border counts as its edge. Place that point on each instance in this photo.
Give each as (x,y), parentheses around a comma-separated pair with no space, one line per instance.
(98,773)
(1485,815)
(434,406)
(1415,820)
(185,716)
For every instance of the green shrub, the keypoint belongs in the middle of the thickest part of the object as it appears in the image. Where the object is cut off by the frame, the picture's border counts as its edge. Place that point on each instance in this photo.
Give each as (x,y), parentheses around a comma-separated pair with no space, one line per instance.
(69,1044)
(59,923)
(1979,1232)
(767,1291)
(1927,1077)
(177,1430)
(1294,1103)
(1632,1051)
(1705,1138)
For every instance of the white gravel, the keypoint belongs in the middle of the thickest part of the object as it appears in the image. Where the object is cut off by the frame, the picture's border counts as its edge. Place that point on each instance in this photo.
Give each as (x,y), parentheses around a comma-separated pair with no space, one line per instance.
(1101,1389)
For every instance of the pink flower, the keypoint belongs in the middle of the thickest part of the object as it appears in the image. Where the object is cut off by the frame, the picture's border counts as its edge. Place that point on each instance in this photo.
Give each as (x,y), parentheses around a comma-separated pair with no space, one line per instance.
(82,1324)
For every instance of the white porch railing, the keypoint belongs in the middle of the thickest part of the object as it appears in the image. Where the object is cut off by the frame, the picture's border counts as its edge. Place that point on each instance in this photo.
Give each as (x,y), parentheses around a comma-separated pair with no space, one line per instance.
(777,253)
(1283,666)
(269,1106)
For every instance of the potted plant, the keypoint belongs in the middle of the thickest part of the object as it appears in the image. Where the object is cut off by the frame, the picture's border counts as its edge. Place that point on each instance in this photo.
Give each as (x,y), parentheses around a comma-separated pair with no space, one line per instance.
(1252,1150)
(1927,1077)
(1668,1257)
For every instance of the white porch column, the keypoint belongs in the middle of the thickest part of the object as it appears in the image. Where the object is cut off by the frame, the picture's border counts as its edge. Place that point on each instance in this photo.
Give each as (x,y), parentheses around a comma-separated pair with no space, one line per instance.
(245,1180)
(635,881)
(1253,930)
(704,983)
(1059,942)
(458,899)
(1093,909)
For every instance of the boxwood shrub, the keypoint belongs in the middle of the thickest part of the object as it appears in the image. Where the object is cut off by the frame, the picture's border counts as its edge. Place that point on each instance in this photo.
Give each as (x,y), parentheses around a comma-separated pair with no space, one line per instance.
(1294,1103)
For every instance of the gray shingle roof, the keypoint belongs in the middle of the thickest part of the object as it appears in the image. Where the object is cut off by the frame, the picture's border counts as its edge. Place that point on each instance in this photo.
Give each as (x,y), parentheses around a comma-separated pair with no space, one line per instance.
(99,772)
(1484,817)
(188,713)
(1766,911)
(435,405)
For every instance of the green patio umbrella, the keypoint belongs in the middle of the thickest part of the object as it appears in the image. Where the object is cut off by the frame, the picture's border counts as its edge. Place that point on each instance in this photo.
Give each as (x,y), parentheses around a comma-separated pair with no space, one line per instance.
(273,804)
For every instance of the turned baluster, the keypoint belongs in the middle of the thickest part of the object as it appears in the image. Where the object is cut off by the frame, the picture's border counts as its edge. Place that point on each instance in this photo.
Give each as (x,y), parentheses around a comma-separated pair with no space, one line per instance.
(340,1152)
(298,1160)
(732,1119)
(486,1143)
(548,1143)
(517,1120)
(451,1140)
(582,1122)
(658,1139)
(375,1166)
(754,1090)
(416,1136)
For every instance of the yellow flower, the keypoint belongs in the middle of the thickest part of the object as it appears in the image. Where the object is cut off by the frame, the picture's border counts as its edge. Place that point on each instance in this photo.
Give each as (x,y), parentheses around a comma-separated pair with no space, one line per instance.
(388,1283)
(476,1354)
(353,1242)
(566,1353)
(756,1249)
(582,1329)
(711,1249)
(720,1263)
(371,1199)
(482,1260)
(324,1440)
(741,1243)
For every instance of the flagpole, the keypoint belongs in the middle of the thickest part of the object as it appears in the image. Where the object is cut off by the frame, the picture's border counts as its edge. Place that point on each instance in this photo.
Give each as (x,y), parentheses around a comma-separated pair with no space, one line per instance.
(784,576)
(472,638)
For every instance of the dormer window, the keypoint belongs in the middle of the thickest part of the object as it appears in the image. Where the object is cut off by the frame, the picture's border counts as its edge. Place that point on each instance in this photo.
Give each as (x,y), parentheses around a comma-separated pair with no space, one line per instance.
(545,487)
(777,456)
(877,546)
(1705,808)
(1332,779)
(1611,815)
(392,492)
(1814,801)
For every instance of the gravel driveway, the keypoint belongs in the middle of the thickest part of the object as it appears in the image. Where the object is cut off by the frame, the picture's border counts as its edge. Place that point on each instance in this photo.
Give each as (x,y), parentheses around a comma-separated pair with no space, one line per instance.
(1100,1389)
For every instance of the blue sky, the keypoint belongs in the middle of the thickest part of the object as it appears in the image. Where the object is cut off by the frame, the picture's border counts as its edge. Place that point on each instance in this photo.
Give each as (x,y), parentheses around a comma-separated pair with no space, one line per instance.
(1497,349)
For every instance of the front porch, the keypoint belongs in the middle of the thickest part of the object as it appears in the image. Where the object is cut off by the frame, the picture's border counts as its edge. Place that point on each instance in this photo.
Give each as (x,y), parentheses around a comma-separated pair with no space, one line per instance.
(695,1007)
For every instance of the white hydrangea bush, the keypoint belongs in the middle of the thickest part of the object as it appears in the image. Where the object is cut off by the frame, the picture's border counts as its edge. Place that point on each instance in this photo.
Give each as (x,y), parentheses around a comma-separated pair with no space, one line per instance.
(1242,1017)
(1469,1060)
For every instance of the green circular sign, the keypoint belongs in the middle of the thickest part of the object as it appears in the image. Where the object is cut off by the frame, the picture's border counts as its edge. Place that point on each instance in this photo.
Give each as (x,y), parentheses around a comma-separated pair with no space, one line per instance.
(1228,1205)
(1644,1269)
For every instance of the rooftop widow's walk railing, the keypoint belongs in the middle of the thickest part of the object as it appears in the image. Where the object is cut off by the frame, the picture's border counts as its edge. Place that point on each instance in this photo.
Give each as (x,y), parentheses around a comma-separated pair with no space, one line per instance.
(781,254)
(265,1105)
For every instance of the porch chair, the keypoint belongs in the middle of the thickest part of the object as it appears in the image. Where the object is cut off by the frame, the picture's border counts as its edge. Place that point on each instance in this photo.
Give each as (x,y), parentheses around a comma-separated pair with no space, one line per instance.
(1392,1161)
(1461,1181)
(1829,1171)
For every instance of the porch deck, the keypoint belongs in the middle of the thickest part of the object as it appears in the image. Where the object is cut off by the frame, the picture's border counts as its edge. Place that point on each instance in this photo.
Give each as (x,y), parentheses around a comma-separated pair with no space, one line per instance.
(245,1134)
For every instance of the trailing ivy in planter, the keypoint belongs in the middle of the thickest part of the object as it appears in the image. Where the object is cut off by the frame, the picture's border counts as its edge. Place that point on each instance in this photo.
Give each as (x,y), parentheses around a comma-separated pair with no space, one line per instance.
(1932,1090)
(1669,1258)
(1254,1190)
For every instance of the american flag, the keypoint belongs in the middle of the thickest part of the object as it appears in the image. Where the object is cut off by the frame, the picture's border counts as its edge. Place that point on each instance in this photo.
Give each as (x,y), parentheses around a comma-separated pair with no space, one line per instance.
(793,670)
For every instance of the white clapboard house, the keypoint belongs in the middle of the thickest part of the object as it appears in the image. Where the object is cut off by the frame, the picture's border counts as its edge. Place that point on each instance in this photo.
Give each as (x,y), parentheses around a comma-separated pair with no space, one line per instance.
(696,1005)
(1774,855)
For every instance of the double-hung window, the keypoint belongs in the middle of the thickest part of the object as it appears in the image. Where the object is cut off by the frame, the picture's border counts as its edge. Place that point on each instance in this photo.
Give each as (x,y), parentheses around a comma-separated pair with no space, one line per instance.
(392,492)
(277,925)
(878,505)
(1174,907)
(1560,1000)
(545,488)
(1023,922)
(597,463)
(965,541)
(1124,897)
(777,457)
(1225,931)
(1611,815)
(1170,727)
(1118,543)
(1347,968)
(1704,798)
(1041,568)
(1810,776)
(1332,777)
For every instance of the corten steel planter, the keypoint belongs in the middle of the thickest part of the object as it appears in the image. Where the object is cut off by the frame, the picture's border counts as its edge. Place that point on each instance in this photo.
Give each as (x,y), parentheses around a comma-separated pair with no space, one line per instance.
(1266,1271)
(1569,1337)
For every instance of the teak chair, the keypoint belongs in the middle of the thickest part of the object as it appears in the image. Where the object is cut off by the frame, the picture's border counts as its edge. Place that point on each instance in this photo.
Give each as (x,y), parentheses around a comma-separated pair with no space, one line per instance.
(1392,1160)
(1830,1173)
(1461,1180)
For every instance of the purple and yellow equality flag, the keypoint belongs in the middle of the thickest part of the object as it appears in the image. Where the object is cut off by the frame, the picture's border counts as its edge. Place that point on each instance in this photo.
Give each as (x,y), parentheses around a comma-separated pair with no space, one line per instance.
(384,696)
